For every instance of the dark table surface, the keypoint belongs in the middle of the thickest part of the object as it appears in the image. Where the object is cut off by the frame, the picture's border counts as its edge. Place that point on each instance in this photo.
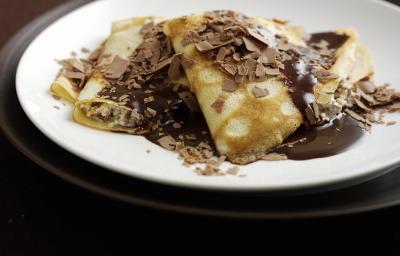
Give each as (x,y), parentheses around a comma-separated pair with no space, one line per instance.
(41,214)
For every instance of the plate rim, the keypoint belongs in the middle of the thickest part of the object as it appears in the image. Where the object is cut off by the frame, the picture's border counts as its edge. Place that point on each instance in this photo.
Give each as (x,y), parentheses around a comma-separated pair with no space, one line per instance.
(305,186)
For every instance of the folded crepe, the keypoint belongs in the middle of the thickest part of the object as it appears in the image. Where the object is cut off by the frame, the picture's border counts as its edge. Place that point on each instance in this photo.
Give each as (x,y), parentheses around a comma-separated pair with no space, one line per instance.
(123,40)
(251,101)
(73,75)
(122,95)
(353,62)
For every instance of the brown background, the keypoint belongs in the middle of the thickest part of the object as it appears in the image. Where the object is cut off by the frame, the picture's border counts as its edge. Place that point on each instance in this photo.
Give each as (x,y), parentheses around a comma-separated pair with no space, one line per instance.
(16,13)
(43,215)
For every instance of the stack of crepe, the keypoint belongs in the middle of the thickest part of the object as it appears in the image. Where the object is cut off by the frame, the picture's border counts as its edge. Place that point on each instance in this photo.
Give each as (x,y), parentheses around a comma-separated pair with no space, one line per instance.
(249,109)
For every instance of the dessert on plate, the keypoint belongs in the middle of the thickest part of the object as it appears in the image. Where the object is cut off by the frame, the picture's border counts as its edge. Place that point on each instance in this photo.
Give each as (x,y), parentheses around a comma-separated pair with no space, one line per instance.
(223,85)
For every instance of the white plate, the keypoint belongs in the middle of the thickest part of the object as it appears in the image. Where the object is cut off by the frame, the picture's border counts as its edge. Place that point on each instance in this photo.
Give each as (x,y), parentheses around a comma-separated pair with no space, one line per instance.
(376,21)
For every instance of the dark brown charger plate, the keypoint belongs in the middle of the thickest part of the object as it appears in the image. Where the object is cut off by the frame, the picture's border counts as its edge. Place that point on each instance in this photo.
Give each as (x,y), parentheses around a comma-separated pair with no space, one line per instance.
(379,193)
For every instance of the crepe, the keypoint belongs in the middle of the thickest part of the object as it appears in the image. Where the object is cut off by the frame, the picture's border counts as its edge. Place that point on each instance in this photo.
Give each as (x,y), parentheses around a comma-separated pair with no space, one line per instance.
(108,114)
(353,63)
(124,36)
(72,76)
(245,125)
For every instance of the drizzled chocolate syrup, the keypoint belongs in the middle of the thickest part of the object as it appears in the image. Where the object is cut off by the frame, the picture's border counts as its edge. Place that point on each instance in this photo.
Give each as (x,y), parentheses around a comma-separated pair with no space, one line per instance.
(334,40)
(170,108)
(301,81)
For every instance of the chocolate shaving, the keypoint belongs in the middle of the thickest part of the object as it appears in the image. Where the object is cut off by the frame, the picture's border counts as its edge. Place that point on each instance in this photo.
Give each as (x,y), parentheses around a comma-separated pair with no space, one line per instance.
(230,86)
(117,68)
(370,99)
(85,50)
(324,75)
(355,115)
(218,105)
(252,55)
(272,71)
(204,46)
(230,69)
(257,36)
(78,65)
(242,70)
(250,45)
(221,54)
(167,142)
(177,125)
(186,63)
(74,75)
(174,71)
(148,99)
(146,28)
(94,55)
(250,65)
(236,56)
(260,70)
(310,115)
(259,92)
(161,65)
(252,76)
(315,109)
(268,56)
(361,105)
(366,86)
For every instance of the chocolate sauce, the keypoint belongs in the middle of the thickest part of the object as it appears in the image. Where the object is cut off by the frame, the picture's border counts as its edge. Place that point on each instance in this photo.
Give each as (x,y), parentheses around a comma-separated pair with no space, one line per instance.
(165,99)
(323,141)
(170,110)
(301,81)
(193,130)
(298,70)
(334,40)
(316,141)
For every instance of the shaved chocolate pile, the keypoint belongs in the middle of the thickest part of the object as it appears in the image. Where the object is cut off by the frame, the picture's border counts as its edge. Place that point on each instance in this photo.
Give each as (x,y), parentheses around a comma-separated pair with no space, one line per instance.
(368,103)
(143,83)
(77,70)
(150,58)
(238,46)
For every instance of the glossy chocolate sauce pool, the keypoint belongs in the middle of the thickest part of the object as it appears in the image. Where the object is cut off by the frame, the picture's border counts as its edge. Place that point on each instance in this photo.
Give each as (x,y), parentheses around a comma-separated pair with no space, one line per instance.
(317,141)
(323,141)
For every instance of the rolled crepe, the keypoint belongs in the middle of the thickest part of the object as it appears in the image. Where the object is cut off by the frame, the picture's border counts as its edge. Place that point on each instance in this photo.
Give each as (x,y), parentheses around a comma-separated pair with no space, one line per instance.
(120,108)
(353,63)
(123,40)
(72,76)
(244,125)
(91,109)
